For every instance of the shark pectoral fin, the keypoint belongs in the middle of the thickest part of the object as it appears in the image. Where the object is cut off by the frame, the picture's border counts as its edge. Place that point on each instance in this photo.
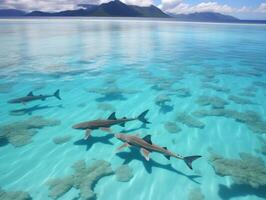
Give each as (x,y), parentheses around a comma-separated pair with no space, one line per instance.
(145,153)
(168,157)
(87,134)
(108,130)
(122,146)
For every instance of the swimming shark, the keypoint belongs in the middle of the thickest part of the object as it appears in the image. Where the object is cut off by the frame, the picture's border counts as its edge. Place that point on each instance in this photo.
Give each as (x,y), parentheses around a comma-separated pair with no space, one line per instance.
(146,146)
(105,124)
(32,97)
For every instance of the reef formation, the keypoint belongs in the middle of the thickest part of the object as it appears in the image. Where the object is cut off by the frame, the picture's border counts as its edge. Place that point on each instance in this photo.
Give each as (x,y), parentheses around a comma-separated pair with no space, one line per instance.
(248,170)
(195,194)
(14,195)
(162,99)
(240,100)
(188,120)
(20,133)
(85,178)
(251,119)
(215,102)
(61,139)
(172,127)
(123,173)
(6,87)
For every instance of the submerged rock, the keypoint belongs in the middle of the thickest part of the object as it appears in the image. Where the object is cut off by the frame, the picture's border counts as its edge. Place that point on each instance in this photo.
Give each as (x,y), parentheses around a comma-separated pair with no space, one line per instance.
(216,88)
(262,149)
(172,127)
(123,173)
(106,107)
(215,102)
(58,187)
(240,100)
(260,84)
(189,120)
(162,84)
(195,194)
(20,133)
(84,179)
(181,92)
(211,112)
(249,91)
(248,170)
(14,195)
(112,92)
(6,87)
(61,139)
(162,99)
(252,119)
(257,126)
(82,105)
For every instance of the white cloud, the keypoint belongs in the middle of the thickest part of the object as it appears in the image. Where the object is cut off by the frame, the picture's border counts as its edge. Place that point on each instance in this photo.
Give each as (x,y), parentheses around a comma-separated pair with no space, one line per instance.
(44,5)
(57,5)
(262,8)
(205,7)
(169,4)
(138,2)
(179,7)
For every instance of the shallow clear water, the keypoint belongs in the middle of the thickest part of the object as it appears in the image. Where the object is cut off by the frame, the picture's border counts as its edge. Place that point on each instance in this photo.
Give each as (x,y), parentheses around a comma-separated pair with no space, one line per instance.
(101,66)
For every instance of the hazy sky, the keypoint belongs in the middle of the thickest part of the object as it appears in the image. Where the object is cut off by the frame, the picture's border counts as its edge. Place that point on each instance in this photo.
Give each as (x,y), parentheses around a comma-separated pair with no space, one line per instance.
(244,9)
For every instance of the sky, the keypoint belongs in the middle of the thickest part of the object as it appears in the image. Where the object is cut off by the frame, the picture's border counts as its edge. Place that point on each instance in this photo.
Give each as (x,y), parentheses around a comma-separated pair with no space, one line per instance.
(243,9)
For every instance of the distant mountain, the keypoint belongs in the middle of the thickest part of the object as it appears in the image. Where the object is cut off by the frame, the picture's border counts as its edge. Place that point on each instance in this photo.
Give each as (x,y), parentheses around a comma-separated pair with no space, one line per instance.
(11,13)
(205,17)
(114,8)
(66,13)
(118,9)
(151,11)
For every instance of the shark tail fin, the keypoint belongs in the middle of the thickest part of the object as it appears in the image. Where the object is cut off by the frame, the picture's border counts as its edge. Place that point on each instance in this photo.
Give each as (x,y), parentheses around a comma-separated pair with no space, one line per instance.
(189,159)
(57,94)
(142,118)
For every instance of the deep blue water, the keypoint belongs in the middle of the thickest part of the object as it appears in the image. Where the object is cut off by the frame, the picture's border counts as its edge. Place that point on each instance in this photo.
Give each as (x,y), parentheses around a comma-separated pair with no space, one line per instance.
(128,66)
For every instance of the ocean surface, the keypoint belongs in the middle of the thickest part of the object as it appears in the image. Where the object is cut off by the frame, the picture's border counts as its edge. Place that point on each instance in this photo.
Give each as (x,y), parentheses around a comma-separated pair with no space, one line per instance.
(204,85)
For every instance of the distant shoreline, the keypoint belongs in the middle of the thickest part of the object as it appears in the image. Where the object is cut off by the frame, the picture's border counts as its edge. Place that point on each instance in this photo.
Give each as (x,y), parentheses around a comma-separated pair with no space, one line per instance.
(263,22)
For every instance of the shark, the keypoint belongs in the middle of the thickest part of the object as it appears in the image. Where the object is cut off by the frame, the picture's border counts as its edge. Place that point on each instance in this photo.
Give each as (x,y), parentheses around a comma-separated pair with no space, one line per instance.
(31,97)
(146,147)
(105,124)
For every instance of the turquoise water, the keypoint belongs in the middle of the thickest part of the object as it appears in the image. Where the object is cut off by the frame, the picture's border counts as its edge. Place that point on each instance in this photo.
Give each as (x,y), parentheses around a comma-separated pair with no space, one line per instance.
(128,66)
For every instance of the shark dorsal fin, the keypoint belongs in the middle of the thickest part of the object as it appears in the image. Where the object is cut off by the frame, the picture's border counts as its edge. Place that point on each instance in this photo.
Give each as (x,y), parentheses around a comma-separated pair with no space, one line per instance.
(147,139)
(165,148)
(112,116)
(30,94)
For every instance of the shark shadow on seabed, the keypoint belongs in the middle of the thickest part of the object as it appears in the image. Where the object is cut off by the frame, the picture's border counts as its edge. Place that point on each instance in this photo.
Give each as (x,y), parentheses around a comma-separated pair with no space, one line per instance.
(143,126)
(134,154)
(3,142)
(166,108)
(93,140)
(111,97)
(241,190)
(30,110)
